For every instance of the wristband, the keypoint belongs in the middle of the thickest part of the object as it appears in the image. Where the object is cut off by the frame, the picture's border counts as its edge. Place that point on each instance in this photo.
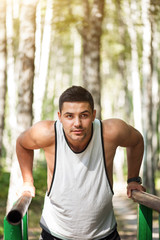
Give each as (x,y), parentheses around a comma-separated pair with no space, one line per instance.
(135,179)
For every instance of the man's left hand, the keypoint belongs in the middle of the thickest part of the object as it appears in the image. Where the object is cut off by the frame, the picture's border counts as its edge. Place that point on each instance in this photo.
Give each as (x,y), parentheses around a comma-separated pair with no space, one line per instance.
(134,186)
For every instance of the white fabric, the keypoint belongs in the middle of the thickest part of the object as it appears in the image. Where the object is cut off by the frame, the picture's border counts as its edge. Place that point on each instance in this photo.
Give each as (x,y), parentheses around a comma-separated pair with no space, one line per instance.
(79,205)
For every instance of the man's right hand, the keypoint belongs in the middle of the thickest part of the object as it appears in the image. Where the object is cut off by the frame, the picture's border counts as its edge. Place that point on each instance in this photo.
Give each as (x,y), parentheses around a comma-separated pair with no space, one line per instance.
(26,187)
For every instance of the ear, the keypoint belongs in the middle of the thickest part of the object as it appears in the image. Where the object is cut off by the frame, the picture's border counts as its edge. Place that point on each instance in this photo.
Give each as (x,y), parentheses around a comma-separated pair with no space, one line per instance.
(59,116)
(94,114)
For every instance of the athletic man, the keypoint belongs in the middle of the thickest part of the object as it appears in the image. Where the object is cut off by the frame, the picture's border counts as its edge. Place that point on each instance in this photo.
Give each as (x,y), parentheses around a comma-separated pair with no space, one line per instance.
(79,151)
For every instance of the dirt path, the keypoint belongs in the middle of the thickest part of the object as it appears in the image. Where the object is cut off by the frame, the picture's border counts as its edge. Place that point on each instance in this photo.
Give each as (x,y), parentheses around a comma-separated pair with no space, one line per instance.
(126,214)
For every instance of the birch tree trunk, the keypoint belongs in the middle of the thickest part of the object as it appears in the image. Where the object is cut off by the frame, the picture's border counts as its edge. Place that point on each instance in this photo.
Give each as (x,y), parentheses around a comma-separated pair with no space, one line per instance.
(2,68)
(155,86)
(147,71)
(76,58)
(123,68)
(9,139)
(131,23)
(38,45)
(40,81)
(91,44)
(25,88)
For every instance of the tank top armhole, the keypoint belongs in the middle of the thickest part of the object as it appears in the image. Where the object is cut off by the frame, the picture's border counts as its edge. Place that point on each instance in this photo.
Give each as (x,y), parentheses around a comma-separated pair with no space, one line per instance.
(55,158)
(104,159)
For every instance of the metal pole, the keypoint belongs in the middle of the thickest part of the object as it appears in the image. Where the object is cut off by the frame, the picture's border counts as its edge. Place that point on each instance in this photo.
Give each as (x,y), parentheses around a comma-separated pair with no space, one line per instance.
(13,232)
(16,221)
(145,223)
(19,209)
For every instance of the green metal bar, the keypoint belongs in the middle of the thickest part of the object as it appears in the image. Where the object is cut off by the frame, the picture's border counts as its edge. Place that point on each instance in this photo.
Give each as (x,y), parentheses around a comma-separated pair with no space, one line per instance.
(25,227)
(16,232)
(16,221)
(12,232)
(145,223)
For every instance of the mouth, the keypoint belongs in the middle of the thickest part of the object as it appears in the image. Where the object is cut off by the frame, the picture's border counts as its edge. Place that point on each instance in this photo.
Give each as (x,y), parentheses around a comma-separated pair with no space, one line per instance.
(77,131)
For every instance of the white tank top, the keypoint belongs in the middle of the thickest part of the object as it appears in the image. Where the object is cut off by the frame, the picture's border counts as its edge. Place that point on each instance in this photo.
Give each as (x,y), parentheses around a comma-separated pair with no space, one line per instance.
(79,203)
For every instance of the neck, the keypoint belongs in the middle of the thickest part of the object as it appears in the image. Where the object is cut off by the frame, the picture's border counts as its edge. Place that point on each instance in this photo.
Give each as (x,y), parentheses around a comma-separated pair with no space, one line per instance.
(78,146)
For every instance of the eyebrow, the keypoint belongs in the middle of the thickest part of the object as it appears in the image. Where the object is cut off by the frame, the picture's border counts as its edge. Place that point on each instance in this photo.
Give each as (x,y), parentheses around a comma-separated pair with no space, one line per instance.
(86,111)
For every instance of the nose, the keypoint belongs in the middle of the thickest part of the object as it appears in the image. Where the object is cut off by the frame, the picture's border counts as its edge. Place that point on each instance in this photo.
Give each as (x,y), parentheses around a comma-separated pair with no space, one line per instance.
(77,122)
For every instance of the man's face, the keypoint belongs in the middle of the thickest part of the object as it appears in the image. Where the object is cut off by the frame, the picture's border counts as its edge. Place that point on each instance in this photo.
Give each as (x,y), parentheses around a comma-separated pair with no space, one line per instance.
(77,118)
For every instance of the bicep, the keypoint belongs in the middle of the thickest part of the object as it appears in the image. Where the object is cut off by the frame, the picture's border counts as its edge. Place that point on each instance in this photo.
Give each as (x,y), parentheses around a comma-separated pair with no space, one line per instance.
(128,136)
(27,140)
(38,136)
(119,133)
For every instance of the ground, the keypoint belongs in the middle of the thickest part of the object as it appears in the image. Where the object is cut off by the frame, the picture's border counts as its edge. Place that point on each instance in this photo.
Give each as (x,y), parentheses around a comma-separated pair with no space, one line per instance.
(126,214)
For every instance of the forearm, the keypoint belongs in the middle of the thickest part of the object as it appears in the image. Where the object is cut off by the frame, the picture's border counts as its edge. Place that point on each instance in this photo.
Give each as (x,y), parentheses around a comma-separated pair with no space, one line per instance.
(25,159)
(134,158)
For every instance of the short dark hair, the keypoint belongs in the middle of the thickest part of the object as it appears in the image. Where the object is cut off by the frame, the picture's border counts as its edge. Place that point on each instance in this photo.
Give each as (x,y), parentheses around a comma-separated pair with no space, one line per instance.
(76,94)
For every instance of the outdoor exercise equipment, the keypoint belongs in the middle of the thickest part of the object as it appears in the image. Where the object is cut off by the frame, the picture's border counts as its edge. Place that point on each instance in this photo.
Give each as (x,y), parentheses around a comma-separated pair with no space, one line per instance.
(16,223)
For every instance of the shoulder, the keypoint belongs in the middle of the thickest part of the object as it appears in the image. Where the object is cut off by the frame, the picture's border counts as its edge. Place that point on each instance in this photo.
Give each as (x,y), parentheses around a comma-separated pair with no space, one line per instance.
(119,132)
(40,135)
(113,127)
(43,127)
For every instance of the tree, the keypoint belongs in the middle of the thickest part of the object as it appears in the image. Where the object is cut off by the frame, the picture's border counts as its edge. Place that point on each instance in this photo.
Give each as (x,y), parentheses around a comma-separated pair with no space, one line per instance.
(3,58)
(40,80)
(123,58)
(25,87)
(10,119)
(147,71)
(155,17)
(132,18)
(91,44)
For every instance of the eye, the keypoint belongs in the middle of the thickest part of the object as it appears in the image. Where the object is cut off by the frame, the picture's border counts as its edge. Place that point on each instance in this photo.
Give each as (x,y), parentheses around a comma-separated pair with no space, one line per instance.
(84,115)
(69,116)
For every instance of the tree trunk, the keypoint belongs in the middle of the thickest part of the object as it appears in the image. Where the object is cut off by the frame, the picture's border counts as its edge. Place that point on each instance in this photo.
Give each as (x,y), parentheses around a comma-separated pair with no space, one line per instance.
(76,57)
(26,63)
(91,44)
(155,87)
(147,72)
(131,23)
(40,81)
(2,68)
(122,59)
(25,95)
(11,121)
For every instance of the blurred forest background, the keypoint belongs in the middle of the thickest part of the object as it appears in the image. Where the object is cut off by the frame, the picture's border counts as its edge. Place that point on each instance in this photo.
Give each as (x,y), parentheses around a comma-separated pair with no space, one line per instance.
(111,47)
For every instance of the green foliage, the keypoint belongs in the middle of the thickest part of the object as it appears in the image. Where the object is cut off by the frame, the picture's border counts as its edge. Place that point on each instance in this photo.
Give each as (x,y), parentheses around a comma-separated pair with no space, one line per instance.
(4,183)
(1,232)
(40,181)
(40,177)
(64,15)
(157,180)
(3,157)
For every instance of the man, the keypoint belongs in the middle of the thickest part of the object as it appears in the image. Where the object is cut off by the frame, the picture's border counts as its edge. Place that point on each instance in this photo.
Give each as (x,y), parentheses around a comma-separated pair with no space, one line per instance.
(79,151)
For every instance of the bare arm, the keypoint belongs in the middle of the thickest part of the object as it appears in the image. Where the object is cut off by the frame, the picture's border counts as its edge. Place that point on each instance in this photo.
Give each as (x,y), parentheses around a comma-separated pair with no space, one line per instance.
(38,136)
(135,148)
(132,139)
(121,134)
